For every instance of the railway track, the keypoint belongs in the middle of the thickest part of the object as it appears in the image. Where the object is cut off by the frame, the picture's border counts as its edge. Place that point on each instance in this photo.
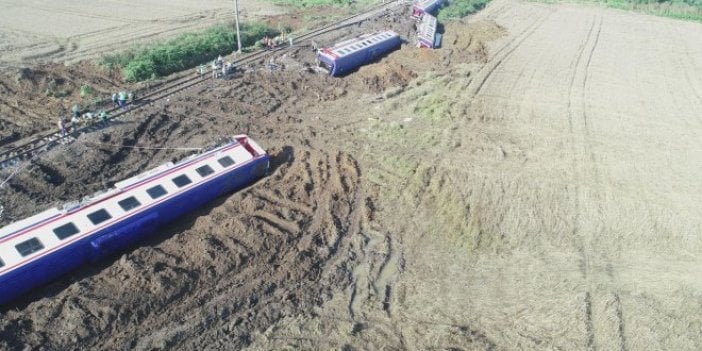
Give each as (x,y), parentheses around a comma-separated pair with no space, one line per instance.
(29,148)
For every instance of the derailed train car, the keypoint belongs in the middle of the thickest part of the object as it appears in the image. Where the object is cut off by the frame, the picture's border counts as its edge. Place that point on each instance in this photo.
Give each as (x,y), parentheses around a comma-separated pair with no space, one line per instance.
(348,55)
(43,247)
(426,6)
(426,32)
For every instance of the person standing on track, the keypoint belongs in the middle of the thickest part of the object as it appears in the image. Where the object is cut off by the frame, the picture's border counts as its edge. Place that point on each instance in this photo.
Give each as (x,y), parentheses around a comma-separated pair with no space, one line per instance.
(215,70)
(62,126)
(88,119)
(115,100)
(76,110)
(75,122)
(103,118)
(122,98)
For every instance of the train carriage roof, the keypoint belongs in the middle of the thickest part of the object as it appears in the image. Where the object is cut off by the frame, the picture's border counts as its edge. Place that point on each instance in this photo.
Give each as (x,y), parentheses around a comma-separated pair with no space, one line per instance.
(348,47)
(427,27)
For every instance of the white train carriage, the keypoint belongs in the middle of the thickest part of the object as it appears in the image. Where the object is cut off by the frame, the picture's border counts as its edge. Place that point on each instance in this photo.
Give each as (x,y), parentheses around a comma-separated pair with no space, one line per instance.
(426,32)
(40,248)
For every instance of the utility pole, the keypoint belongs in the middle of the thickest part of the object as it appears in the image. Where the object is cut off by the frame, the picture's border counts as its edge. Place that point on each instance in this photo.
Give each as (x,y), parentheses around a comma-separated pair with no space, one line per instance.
(236,19)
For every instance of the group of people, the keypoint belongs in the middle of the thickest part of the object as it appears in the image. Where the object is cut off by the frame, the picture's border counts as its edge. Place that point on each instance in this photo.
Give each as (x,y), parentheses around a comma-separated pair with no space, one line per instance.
(270,43)
(220,69)
(81,118)
(84,118)
(123,99)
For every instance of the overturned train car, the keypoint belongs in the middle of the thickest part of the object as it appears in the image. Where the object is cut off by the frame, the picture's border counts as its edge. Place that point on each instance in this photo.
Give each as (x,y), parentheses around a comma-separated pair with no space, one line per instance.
(43,247)
(426,32)
(425,6)
(348,55)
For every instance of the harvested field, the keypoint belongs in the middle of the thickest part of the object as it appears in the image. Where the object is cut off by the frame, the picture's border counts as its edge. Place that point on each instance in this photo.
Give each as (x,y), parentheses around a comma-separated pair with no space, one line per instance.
(531,185)
(39,32)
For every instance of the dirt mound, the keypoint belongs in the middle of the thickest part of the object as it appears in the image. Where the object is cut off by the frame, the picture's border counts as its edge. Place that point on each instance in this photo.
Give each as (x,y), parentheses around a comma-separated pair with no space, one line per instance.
(467,41)
(382,75)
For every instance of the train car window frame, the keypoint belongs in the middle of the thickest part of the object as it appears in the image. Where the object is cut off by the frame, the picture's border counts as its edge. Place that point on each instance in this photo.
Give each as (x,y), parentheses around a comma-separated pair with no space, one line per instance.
(204,170)
(129,203)
(99,216)
(181,180)
(2,263)
(67,230)
(226,161)
(29,247)
(156,191)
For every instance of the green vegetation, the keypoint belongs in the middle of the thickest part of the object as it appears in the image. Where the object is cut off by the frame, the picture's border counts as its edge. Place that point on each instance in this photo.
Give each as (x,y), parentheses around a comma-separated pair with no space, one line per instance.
(460,8)
(185,51)
(85,90)
(312,3)
(690,10)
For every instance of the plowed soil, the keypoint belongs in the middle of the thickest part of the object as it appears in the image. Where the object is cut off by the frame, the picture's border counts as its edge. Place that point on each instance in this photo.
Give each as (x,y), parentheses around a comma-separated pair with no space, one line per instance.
(531,185)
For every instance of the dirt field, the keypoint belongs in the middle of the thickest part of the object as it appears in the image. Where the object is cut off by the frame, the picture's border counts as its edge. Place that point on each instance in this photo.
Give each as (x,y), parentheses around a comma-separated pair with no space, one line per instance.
(531,185)
(545,200)
(35,31)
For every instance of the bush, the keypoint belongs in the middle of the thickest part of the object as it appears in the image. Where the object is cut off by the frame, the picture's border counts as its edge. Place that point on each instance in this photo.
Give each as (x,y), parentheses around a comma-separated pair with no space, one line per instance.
(690,10)
(85,90)
(312,3)
(185,51)
(461,8)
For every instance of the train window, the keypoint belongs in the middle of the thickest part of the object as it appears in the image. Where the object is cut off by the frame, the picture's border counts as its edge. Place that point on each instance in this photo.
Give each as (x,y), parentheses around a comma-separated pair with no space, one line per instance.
(156,192)
(29,247)
(66,230)
(99,216)
(204,171)
(129,203)
(226,161)
(181,180)
(2,264)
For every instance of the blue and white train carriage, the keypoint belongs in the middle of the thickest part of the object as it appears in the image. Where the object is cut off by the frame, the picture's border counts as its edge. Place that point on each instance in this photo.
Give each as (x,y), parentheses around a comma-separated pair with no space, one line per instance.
(43,247)
(348,55)
(426,32)
(425,6)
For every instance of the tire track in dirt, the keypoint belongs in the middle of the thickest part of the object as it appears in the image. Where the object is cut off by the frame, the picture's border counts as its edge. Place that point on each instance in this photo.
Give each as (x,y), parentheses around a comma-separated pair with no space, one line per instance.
(687,63)
(599,305)
(272,245)
(503,53)
(573,118)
